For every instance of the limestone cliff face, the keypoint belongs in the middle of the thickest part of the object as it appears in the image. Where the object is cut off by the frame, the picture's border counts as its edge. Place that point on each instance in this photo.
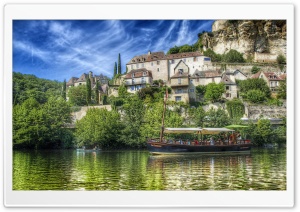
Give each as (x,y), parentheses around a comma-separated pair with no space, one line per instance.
(247,36)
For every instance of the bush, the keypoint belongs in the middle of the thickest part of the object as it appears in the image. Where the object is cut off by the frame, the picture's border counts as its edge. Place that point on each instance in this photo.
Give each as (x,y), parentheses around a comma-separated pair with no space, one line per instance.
(256,96)
(254,69)
(233,56)
(281,59)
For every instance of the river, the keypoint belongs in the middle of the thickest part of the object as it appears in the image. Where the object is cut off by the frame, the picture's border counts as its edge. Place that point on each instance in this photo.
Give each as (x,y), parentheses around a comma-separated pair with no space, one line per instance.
(262,169)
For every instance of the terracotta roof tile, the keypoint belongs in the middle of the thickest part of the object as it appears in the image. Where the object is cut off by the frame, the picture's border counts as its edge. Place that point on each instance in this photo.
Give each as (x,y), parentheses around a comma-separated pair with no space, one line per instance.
(138,73)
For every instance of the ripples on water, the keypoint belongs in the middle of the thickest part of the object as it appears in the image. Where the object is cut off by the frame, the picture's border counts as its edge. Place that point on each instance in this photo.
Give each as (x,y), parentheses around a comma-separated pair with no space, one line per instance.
(262,169)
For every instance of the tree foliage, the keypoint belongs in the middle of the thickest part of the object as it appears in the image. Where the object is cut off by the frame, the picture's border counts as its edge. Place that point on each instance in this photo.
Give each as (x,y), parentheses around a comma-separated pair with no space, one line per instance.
(29,86)
(99,127)
(115,69)
(255,96)
(119,64)
(77,95)
(214,91)
(88,91)
(236,109)
(281,59)
(40,126)
(233,56)
(64,90)
(246,86)
(254,69)
(214,56)
(200,89)
(282,90)
(122,91)
(216,118)
(97,92)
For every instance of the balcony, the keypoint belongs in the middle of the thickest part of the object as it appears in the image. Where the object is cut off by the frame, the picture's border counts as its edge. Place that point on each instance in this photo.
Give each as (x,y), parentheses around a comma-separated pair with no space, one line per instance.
(136,82)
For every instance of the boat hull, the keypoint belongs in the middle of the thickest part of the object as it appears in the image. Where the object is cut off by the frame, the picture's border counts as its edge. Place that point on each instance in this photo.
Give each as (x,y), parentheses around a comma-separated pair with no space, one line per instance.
(163,148)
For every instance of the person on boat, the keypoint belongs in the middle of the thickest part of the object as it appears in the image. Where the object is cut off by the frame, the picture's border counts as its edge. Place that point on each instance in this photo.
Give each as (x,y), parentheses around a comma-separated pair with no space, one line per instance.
(180,141)
(211,141)
(195,142)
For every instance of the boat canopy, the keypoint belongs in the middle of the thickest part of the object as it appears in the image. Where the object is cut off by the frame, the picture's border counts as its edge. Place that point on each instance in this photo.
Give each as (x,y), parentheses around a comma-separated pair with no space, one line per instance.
(182,130)
(197,130)
(214,130)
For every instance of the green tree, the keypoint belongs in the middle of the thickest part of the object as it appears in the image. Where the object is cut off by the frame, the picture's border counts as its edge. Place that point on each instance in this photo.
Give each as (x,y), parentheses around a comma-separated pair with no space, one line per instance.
(214,91)
(264,131)
(88,91)
(40,126)
(97,92)
(216,118)
(256,96)
(133,119)
(119,64)
(200,89)
(173,50)
(214,56)
(233,56)
(281,59)
(236,109)
(77,95)
(64,88)
(253,84)
(99,127)
(115,69)
(282,89)
(122,91)
(186,48)
(254,69)
(197,116)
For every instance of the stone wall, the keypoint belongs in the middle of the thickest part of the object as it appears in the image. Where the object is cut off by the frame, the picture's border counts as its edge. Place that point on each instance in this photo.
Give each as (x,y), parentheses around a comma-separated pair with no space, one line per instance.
(256,112)
(80,114)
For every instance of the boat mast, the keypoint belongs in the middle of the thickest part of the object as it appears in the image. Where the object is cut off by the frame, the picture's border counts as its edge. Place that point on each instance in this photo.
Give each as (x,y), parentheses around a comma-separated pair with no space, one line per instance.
(163,117)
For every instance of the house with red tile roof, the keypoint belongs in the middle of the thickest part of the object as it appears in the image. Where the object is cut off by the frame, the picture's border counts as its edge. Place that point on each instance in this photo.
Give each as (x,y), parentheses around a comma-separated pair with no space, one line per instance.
(137,79)
(272,79)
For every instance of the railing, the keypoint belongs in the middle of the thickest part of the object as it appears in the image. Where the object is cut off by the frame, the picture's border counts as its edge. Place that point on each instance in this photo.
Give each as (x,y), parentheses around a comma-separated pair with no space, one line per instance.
(181,91)
(137,82)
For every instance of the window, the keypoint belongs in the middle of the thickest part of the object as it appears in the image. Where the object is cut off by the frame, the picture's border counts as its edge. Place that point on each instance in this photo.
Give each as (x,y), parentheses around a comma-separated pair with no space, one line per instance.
(133,81)
(192,90)
(195,59)
(179,80)
(132,88)
(143,80)
(173,61)
(191,81)
(137,65)
(157,69)
(206,59)
(158,62)
(142,65)
(227,87)
(179,90)
(144,73)
(132,75)
(228,95)
(180,71)
(177,98)
(151,63)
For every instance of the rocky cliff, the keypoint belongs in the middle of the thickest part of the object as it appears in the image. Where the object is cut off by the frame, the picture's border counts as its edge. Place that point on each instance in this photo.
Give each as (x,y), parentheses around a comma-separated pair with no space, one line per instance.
(247,36)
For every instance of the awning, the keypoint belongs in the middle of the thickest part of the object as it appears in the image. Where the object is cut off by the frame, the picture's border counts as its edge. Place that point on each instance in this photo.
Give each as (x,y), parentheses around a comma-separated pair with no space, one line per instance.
(214,130)
(182,130)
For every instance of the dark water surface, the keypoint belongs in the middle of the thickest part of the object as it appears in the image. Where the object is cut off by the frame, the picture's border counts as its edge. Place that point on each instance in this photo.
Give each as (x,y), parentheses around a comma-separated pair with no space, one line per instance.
(262,169)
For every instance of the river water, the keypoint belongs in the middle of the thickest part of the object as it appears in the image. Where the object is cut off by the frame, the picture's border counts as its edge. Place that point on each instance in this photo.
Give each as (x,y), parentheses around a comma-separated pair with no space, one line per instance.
(262,169)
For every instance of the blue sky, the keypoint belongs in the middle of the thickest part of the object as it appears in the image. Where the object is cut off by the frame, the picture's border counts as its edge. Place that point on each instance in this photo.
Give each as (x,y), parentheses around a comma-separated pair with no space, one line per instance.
(58,50)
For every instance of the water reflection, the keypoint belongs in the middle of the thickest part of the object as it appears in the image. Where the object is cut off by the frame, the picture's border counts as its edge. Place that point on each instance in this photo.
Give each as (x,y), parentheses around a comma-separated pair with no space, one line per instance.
(137,170)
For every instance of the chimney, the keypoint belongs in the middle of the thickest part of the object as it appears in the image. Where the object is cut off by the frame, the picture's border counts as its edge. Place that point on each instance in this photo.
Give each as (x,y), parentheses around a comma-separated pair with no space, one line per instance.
(149,52)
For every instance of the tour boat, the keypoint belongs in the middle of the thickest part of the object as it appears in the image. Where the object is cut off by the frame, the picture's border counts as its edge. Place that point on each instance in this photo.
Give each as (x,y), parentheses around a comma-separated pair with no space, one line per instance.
(168,146)
(171,146)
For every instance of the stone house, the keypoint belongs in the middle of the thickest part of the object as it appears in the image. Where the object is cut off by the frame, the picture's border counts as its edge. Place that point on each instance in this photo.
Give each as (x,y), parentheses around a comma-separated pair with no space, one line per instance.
(272,79)
(102,80)
(137,79)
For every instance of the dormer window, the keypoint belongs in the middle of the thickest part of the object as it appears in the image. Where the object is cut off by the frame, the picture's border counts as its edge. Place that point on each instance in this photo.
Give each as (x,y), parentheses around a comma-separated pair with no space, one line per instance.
(145,73)
(158,62)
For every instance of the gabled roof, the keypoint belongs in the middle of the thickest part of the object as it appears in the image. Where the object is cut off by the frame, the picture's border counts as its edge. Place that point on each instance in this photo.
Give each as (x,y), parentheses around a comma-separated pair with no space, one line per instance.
(206,74)
(226,80)
(138,73)
(254,76)
(272,76)
(183,55)
(181,61)
(83,77)
(72,81)
(148,57)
